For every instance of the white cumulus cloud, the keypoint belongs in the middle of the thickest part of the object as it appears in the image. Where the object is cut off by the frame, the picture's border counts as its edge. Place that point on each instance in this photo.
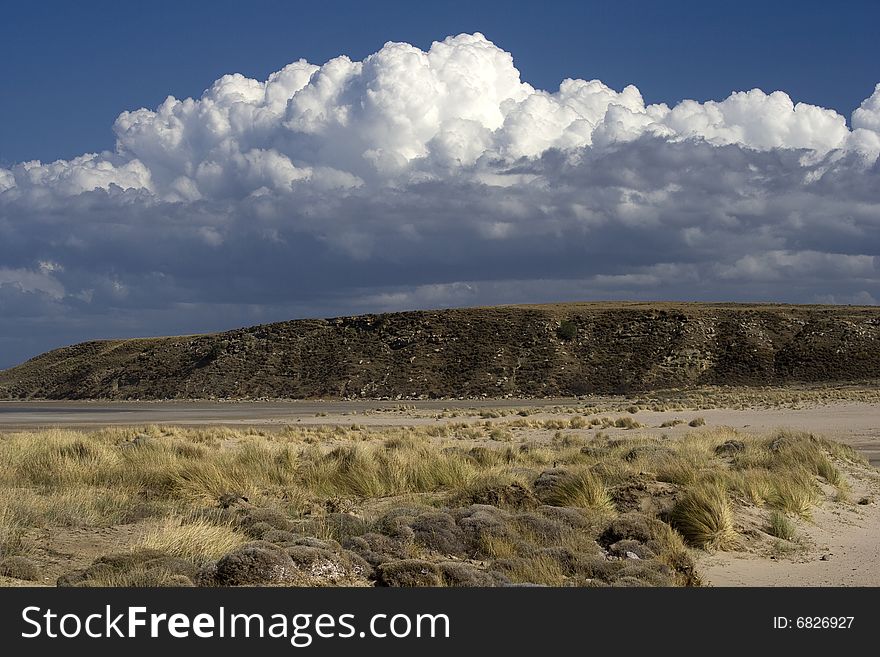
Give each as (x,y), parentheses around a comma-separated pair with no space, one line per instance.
(433,178)
(402,109)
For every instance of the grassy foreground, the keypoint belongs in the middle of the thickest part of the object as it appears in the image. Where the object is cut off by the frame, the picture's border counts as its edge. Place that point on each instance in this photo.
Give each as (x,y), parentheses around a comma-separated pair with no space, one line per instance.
(451,505)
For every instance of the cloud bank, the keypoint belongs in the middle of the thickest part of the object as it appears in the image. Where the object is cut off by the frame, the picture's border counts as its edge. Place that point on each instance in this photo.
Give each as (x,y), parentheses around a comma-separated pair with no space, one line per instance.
(414,179)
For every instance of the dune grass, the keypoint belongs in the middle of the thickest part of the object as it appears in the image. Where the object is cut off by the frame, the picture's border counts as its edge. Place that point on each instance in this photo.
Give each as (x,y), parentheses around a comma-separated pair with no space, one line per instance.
(780,526)
(167,477)
(581,488)
(753,484)
(795,493)
(65,477)
(11,530)
(538,569)
(704,516)
(192,538)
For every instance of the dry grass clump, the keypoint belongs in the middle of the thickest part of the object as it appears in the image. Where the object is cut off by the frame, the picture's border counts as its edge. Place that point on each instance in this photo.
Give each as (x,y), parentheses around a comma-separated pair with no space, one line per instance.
(693,456)
(192,538)
(795,493)
(498,547)
(498,487)
(754,484)
(793,460)
(627,423)
(672,550)
(57,459)
(780,526)
(799,449)
(841,452)
(500,434)
(138,577)
(829,472)
(65,478)
(562,440)
(704,517)
(11,531)
(539,568)
(553,424)
(370,471)
(581,488)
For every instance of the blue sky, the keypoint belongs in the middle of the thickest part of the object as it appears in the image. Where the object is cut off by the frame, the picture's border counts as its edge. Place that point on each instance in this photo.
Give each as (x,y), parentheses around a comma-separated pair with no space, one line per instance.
(96,58)
(425,156)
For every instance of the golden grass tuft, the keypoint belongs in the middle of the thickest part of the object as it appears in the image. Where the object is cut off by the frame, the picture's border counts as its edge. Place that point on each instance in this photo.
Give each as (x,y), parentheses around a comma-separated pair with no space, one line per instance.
(11,531)
(136,577)
(370,472)
(627,423)
(754,484)
(780,526)
(829,473)
(704,517)
(582,488)
(498,547)
(795,493)
(192,538)
(537,569)
(673,551)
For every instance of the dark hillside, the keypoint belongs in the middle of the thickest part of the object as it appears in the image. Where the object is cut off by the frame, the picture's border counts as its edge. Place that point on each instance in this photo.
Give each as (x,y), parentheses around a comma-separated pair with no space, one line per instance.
(528,351)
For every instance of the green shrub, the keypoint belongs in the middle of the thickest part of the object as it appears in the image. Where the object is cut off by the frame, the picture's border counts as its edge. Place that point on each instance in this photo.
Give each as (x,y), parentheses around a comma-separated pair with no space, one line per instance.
(780,526)
(567,330)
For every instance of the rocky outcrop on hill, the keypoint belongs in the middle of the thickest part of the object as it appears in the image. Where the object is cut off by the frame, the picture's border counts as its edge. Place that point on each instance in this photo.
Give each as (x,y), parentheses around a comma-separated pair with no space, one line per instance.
(520,351)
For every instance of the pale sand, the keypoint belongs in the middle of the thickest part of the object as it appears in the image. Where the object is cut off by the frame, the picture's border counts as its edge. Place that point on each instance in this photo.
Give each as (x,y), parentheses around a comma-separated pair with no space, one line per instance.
(843,549)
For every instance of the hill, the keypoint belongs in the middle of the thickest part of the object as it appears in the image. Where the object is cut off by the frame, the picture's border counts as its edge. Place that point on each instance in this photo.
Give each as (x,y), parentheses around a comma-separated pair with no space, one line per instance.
(522,351)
